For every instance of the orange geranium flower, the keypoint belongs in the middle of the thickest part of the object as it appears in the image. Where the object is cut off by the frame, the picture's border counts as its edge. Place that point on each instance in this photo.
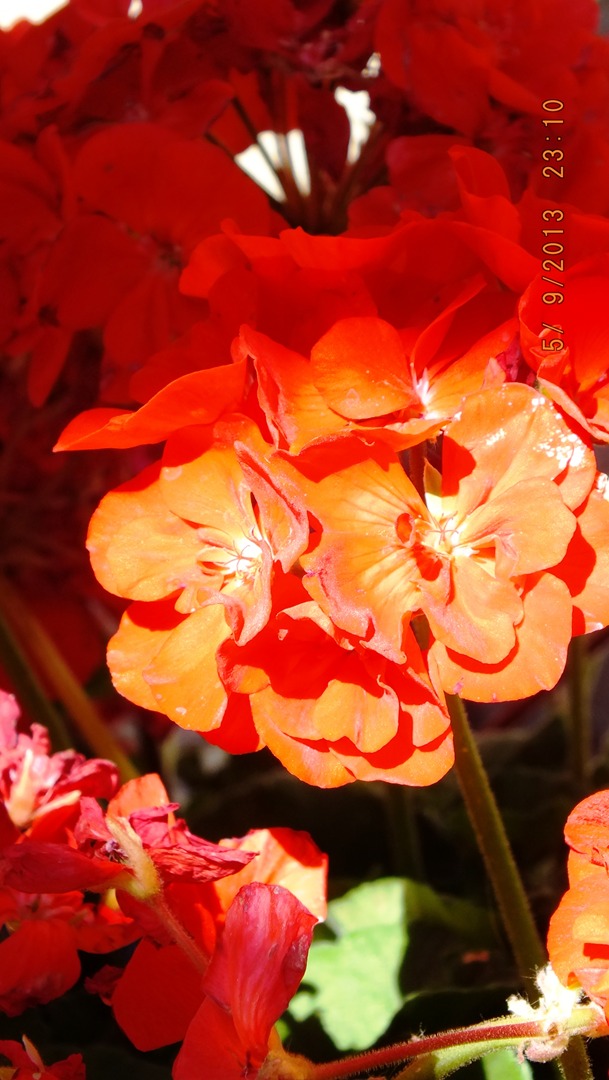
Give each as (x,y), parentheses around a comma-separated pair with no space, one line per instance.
(197,541)
(365,375)
(475,557)
(333,711)
(578,937)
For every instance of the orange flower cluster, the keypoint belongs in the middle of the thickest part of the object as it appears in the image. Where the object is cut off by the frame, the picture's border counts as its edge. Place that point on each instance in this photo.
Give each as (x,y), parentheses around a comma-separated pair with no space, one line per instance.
(377,484)
(578,938)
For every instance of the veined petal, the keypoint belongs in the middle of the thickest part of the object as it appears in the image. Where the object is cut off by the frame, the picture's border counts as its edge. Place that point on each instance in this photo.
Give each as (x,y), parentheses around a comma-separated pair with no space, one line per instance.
(367,576)
(202,481)
(313,761)
(142,632)
(212,1048)
(296,412)
(283,857)
(196,398)
(360,368)
(585,566)
(525,540)
(260,960)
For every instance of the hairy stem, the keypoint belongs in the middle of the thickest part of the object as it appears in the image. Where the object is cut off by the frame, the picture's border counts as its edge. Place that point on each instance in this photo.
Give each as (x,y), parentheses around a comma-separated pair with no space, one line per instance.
(527,946)
(460,1045)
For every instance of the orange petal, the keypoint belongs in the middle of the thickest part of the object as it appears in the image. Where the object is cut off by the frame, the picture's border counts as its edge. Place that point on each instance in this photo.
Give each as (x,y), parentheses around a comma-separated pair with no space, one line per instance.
(143,631)
(535,663)
(138,547)
(183,676)
(197,398)
(513,433)
(477,620)
(360,368)
(361,572)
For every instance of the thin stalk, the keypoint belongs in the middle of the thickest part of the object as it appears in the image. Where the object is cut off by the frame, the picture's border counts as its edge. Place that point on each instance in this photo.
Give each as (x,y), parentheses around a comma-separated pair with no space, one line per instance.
(479,1039)
(446,1062)
(349,186)
(40,648)
(495,849)
(253,133)
(527,946)
(30,693)
(178,933)
(407,857)
(512,1030)
(574,1063)
(579,719)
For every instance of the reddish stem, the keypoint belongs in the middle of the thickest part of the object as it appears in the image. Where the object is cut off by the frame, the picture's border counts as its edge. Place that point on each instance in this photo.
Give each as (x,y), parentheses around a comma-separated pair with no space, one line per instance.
(392,1055)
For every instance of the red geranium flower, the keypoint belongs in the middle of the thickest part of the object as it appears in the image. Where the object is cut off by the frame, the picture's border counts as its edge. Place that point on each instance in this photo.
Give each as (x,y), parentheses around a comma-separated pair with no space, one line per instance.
(255,971)
(26,1063)
(40,790)
(159,992)
(571,360)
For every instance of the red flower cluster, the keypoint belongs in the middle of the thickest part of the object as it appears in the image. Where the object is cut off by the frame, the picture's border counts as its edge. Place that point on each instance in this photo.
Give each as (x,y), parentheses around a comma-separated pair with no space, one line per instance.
(26,1064)
(43,907)
(187,903)
(377,484)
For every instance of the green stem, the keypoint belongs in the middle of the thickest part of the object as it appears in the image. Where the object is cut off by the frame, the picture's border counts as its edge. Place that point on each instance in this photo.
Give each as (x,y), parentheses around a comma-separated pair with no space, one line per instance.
(34,641)
(494,846)
(579,721)
(490,1034)
(437,1066)
(574,1064)
(527,946)
(407,857)
(28,688)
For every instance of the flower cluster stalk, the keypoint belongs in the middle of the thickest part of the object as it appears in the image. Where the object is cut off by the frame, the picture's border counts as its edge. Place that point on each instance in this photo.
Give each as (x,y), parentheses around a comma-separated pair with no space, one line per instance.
(29,636)
(527,946)
(479,1039)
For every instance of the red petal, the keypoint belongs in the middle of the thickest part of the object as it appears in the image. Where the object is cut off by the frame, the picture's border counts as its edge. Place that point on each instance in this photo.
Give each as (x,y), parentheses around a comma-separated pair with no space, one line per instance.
(157,996)
(198,398)
(260,960)
(360,368)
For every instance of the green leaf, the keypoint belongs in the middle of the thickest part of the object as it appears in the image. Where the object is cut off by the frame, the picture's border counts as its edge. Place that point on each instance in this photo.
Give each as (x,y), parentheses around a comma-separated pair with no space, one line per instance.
(355,979)
(352,983)
(504,1065)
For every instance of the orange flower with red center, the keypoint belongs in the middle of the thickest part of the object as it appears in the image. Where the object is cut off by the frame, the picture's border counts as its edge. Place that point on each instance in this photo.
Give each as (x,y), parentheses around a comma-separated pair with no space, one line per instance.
(474,557)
